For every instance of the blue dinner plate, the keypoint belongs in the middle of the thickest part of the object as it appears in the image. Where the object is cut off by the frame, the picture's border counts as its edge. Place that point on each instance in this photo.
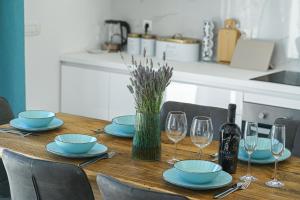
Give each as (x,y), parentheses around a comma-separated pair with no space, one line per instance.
(172,176)
(19,124)
(112,129)
(244,157)
(97,150)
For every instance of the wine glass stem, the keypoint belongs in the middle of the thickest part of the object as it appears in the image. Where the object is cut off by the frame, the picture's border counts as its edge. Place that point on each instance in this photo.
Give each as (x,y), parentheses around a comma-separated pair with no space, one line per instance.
(200,153)
(275,173)
(175,152)
(249,165)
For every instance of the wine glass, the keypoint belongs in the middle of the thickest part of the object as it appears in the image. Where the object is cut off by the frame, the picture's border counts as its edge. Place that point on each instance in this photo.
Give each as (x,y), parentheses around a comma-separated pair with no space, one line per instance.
(201,132)
(277,149)
(250,143)
(176,128)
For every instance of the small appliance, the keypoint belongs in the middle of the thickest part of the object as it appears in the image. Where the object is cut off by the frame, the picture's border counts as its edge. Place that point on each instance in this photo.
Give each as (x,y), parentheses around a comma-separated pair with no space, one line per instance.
(116,35)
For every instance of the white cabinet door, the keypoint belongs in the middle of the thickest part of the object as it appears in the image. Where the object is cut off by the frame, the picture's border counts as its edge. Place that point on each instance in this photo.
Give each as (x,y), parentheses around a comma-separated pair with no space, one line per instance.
(85,92)
(204,95)
(121,100)
(181,92)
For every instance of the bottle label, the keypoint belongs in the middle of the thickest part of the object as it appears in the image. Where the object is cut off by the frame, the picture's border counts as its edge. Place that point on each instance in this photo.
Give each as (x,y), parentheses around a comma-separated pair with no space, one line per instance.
(229,146)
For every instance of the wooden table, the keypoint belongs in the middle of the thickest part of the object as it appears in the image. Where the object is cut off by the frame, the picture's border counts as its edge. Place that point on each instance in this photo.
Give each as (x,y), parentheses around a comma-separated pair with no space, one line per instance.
(149,174)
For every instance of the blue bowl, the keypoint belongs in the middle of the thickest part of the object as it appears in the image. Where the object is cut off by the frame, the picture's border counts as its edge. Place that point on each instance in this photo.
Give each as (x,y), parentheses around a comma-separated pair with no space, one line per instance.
(125,123)
(197,171)
(36,118)
(75,143)
(262,151)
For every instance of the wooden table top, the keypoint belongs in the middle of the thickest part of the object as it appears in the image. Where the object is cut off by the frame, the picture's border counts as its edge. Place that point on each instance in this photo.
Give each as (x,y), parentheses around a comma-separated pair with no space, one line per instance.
(149,174)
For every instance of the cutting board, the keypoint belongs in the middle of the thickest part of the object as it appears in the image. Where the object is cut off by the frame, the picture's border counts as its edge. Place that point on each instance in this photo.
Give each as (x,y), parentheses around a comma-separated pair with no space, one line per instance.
(253,54)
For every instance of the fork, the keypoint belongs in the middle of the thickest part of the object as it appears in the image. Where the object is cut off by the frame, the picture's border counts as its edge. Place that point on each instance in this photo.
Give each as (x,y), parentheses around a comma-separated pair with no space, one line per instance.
(238,186)
(93,160)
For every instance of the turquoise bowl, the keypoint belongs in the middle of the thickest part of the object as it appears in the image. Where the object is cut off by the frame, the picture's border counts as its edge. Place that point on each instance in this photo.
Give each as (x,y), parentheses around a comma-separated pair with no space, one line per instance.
(36,118)
(75,143)
(197,171)
(262,151)
(125,123)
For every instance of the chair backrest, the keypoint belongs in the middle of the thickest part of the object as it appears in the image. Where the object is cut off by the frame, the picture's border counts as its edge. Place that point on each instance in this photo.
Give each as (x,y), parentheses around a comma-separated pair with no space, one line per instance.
(43,180)
(4,186)
(292,134)
(218,115)
(112,189)
(6,113)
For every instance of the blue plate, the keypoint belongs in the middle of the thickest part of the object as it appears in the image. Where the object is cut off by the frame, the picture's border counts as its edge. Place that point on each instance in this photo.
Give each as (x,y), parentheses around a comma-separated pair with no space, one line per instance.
(244,157)
(172,176)
(112,129)
(97,150)
(18,124)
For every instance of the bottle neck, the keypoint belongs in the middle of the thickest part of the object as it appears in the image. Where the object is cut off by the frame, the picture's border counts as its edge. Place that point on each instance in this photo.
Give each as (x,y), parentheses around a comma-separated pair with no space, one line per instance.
(231,116)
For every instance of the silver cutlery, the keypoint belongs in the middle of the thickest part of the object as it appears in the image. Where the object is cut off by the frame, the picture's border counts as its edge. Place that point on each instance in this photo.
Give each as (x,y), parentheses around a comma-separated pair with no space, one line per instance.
(98,131)
(93,160)
(214,155)
(14,131)
(238,186)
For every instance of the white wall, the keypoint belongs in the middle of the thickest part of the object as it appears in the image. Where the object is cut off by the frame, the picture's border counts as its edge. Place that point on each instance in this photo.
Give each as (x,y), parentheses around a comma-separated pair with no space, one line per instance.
(168,16)
(66,26)
(277,20)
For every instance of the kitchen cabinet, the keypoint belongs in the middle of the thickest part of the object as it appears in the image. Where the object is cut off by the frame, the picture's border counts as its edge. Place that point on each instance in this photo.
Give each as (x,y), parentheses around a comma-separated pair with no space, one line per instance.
(121,101)
(85,92)
(95,93)
(104,94)
(205,95)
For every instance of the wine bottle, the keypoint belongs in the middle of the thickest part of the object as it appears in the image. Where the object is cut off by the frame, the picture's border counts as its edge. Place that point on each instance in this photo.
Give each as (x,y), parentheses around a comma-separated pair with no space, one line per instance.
(230,135)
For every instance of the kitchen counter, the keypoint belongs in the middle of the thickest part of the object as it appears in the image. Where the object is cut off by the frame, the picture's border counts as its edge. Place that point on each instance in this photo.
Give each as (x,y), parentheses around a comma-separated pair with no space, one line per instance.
(202,73)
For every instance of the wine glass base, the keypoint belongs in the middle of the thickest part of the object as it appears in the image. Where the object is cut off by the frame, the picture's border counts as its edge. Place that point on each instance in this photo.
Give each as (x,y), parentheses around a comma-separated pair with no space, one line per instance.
(247,178)
(274,184)
(173,161)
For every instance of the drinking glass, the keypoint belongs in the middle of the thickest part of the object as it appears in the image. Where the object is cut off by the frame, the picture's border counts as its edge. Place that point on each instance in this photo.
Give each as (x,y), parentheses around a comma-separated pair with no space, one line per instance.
(201,132)
(277,149)
(250,143)
(176,128)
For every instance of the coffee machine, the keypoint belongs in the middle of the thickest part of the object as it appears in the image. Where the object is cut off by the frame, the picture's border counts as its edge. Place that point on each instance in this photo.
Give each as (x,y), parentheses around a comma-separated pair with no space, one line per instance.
(116,35)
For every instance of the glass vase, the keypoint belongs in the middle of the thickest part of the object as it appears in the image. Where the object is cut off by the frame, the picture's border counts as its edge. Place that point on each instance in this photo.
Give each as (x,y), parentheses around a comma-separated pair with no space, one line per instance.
(146,142)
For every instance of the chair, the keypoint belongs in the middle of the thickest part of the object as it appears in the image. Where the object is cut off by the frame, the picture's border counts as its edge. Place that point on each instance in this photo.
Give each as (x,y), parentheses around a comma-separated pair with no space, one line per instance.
(218,115)
(37,179)
(6,113)
(112,189)
(292,134)
(4,186)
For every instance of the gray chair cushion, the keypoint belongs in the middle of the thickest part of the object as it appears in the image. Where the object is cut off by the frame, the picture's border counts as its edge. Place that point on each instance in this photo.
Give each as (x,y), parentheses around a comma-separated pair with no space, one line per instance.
(36,179)
(292,134)
(112,189)
(218,115)
(6,113)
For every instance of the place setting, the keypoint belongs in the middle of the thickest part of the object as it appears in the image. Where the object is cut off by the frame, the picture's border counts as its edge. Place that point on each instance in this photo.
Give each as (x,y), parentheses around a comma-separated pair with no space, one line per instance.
(121,126)
(193,174)
(32,121)
(262,153)
(200,174)
(79,146)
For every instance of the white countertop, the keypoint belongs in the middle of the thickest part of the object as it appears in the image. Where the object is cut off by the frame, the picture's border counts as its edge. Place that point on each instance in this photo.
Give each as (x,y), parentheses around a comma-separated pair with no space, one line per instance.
(202,73)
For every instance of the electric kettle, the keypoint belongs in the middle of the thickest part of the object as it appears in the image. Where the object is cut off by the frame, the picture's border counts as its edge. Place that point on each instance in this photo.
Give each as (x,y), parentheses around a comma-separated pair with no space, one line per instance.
(116,35)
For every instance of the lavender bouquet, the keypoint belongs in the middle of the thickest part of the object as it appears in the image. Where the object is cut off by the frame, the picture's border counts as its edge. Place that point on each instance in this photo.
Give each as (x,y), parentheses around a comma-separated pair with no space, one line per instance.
(147,84)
